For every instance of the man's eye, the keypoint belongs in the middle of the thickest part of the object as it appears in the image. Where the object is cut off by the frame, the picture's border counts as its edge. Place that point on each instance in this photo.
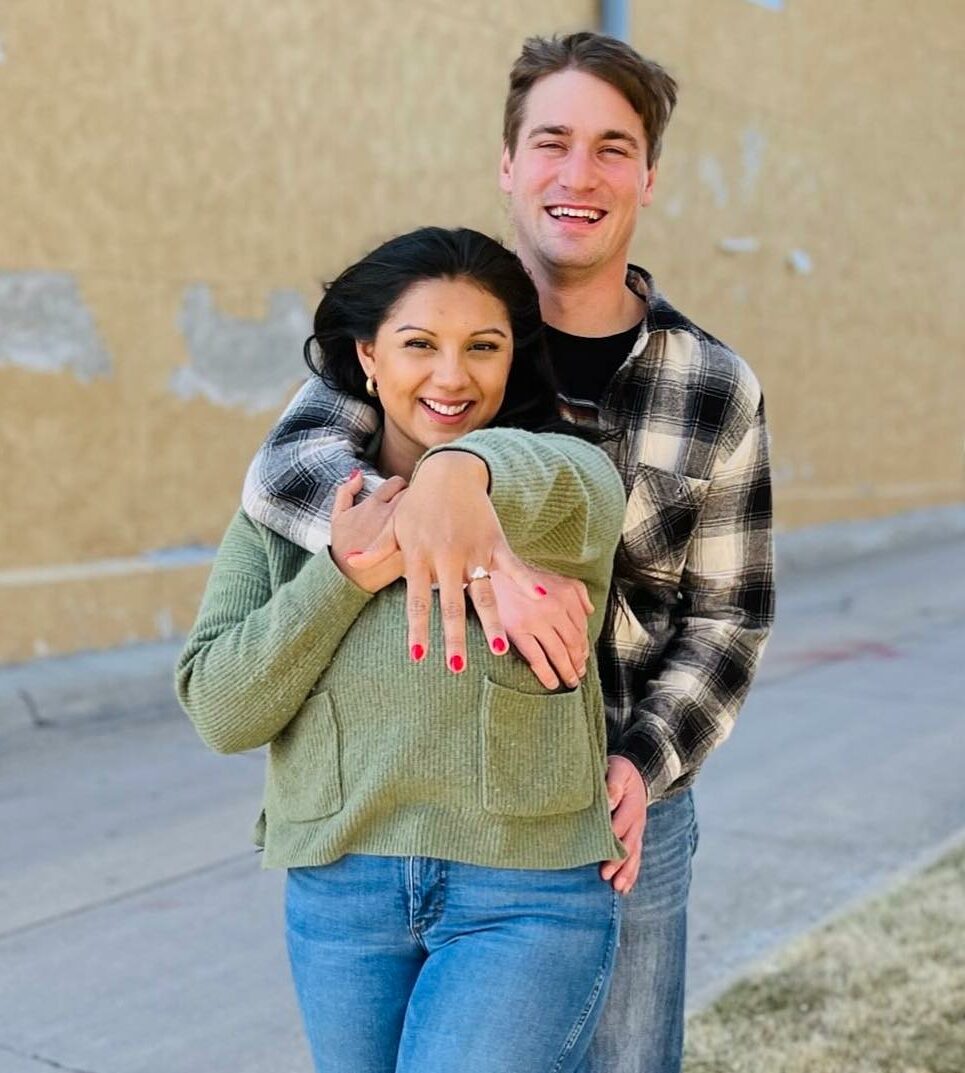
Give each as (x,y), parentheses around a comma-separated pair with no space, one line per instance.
(551,145)
(614,149)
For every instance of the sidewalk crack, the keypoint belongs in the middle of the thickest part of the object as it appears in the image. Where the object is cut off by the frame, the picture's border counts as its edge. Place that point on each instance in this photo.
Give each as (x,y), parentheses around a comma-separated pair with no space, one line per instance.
(51,1063)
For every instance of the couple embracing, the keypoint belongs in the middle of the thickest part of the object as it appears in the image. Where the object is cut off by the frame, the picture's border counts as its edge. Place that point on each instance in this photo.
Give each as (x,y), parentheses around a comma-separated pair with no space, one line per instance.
(500,583)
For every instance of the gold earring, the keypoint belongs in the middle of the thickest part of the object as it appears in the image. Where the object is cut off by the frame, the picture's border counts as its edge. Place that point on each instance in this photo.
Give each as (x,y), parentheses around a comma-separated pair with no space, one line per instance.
(370,386)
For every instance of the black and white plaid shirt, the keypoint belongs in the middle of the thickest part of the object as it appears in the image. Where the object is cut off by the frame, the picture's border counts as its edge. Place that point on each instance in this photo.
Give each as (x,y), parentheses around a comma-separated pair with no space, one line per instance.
(696,563)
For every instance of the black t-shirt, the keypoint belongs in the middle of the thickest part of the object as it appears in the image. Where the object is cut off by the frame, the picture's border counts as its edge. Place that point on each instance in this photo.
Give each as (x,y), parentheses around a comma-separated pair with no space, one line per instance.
(584,365)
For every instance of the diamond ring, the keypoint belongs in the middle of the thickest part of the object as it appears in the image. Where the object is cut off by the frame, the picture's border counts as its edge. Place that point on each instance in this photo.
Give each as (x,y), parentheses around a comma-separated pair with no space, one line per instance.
(479,573)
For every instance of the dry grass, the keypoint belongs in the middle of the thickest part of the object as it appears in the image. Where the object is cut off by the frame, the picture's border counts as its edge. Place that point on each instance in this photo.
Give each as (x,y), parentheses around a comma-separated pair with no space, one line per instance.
(881,990)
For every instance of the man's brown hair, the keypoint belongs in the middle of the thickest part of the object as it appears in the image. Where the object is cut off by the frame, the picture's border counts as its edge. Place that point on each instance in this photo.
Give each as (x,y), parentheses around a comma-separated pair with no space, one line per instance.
(650,90)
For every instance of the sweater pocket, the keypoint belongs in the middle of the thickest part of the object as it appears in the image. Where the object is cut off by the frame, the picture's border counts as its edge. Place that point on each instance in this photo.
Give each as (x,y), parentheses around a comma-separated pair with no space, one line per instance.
(304,763)
(536,753)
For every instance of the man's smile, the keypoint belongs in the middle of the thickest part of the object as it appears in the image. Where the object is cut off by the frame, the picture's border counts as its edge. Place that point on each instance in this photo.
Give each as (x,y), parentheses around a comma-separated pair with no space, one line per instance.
(578,215)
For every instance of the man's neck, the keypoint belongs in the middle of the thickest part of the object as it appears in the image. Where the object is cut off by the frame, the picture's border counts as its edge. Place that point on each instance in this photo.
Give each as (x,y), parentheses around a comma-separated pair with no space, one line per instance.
(592,305)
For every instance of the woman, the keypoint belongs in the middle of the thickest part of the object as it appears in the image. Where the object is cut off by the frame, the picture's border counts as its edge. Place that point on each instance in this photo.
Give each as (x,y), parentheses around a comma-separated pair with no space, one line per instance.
(441,826)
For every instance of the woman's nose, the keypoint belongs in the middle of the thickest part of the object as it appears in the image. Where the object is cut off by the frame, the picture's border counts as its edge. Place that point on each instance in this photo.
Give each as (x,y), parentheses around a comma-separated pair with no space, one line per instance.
(451,371)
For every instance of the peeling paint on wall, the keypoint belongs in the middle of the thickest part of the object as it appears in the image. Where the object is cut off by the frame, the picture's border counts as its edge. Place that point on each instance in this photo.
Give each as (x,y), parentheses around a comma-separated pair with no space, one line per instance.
(800,261)
(753,143)
(739,244)
(46,327)
(712,176)
(240,362)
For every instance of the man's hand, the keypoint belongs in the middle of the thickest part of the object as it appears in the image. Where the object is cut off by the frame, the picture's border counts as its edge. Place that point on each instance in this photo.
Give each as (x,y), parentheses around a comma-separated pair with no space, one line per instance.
(551,633)
(355,528)
(446,527)
(627,793)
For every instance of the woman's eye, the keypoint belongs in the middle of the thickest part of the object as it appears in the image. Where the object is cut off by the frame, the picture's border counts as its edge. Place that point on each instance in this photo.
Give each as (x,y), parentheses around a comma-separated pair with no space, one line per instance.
(484,346)
(418,344)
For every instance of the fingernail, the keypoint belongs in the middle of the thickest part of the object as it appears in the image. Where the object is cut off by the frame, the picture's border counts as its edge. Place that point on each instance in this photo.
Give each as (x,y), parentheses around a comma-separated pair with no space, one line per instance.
(417,652)
(355,472)
(499,645)
(540,591)
(611,803)
(456,663)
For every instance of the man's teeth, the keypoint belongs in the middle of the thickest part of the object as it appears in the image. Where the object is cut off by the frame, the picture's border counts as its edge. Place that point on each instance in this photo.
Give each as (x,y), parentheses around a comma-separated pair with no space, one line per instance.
(587,214)
(448,411)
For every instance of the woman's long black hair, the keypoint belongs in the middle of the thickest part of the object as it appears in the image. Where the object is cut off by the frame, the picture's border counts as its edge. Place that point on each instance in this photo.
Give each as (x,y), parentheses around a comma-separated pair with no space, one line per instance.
(358,301)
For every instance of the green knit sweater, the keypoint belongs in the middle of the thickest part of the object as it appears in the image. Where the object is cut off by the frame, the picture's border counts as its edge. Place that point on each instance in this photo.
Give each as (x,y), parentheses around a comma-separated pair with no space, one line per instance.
(371,753)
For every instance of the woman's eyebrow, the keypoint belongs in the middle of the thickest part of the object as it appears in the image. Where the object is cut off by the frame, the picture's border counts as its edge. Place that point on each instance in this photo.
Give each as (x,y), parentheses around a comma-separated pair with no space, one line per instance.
(429,331)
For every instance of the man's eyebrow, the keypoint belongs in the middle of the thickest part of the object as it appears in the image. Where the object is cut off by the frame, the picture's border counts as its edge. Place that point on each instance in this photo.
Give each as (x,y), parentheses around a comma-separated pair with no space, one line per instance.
(550,128)
(619,136)
(561,131)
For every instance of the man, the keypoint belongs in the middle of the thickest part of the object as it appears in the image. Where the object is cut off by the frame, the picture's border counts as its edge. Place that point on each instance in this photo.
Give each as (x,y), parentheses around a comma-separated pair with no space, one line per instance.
(584,119)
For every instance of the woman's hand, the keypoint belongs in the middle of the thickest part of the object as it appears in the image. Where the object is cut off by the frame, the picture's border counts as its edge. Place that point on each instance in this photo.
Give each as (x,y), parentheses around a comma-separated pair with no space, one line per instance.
(356,528)
(551,633)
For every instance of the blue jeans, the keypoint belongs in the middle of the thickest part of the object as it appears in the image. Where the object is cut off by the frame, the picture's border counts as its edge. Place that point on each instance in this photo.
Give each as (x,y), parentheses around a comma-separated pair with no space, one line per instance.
(642,1026)
(419,965)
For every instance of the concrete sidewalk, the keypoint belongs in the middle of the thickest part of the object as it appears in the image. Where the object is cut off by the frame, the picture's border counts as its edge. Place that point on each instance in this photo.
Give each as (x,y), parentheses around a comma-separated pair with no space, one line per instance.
(138,935)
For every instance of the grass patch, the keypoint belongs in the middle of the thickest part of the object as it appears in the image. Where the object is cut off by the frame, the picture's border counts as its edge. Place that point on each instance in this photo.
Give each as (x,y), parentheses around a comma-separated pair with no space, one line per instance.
(881,990)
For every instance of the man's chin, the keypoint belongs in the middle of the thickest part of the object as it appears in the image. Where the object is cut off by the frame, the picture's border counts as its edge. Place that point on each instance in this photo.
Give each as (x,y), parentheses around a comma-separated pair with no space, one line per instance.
(570,258)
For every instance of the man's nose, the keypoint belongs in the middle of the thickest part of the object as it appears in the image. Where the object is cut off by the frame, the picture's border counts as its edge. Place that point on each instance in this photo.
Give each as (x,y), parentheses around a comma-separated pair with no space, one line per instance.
(578,170)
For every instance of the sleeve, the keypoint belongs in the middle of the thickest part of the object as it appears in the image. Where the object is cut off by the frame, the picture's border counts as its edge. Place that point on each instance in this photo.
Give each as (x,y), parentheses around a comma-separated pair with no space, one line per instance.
(317,441)
(724,615)
(253,656)
(559,499)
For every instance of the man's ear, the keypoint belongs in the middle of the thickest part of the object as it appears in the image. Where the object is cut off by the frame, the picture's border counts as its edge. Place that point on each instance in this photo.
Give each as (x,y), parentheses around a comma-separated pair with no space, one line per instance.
(646,194)
(366,356)
(506,171)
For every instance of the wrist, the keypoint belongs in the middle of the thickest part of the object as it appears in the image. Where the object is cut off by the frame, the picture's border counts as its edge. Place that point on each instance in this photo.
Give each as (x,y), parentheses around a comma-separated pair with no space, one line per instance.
(457,464)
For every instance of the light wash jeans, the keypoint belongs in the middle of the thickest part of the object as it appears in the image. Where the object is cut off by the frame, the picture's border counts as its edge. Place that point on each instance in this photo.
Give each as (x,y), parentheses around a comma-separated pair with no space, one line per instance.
(642,1027)
(419,965)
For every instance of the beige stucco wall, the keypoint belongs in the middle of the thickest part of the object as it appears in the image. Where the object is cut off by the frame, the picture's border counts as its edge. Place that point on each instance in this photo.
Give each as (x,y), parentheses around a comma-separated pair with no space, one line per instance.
(177,177)
(829,129)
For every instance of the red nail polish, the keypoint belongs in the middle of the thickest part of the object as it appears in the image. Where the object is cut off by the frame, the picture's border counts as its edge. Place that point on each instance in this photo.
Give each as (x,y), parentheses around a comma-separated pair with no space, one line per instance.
(418,652)
(499,645)
(355,472)
(540,591)
(456,663)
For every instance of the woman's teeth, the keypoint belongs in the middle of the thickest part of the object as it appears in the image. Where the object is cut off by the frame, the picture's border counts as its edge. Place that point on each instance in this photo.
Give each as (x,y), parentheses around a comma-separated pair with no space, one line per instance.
(447,411)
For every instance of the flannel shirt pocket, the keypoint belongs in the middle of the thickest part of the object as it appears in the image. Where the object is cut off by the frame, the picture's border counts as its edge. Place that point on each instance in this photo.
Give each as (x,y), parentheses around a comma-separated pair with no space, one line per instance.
(662,513)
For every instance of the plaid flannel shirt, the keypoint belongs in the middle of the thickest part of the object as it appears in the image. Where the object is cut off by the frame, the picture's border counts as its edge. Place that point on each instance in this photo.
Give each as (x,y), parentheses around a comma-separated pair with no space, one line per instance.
(696,593)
